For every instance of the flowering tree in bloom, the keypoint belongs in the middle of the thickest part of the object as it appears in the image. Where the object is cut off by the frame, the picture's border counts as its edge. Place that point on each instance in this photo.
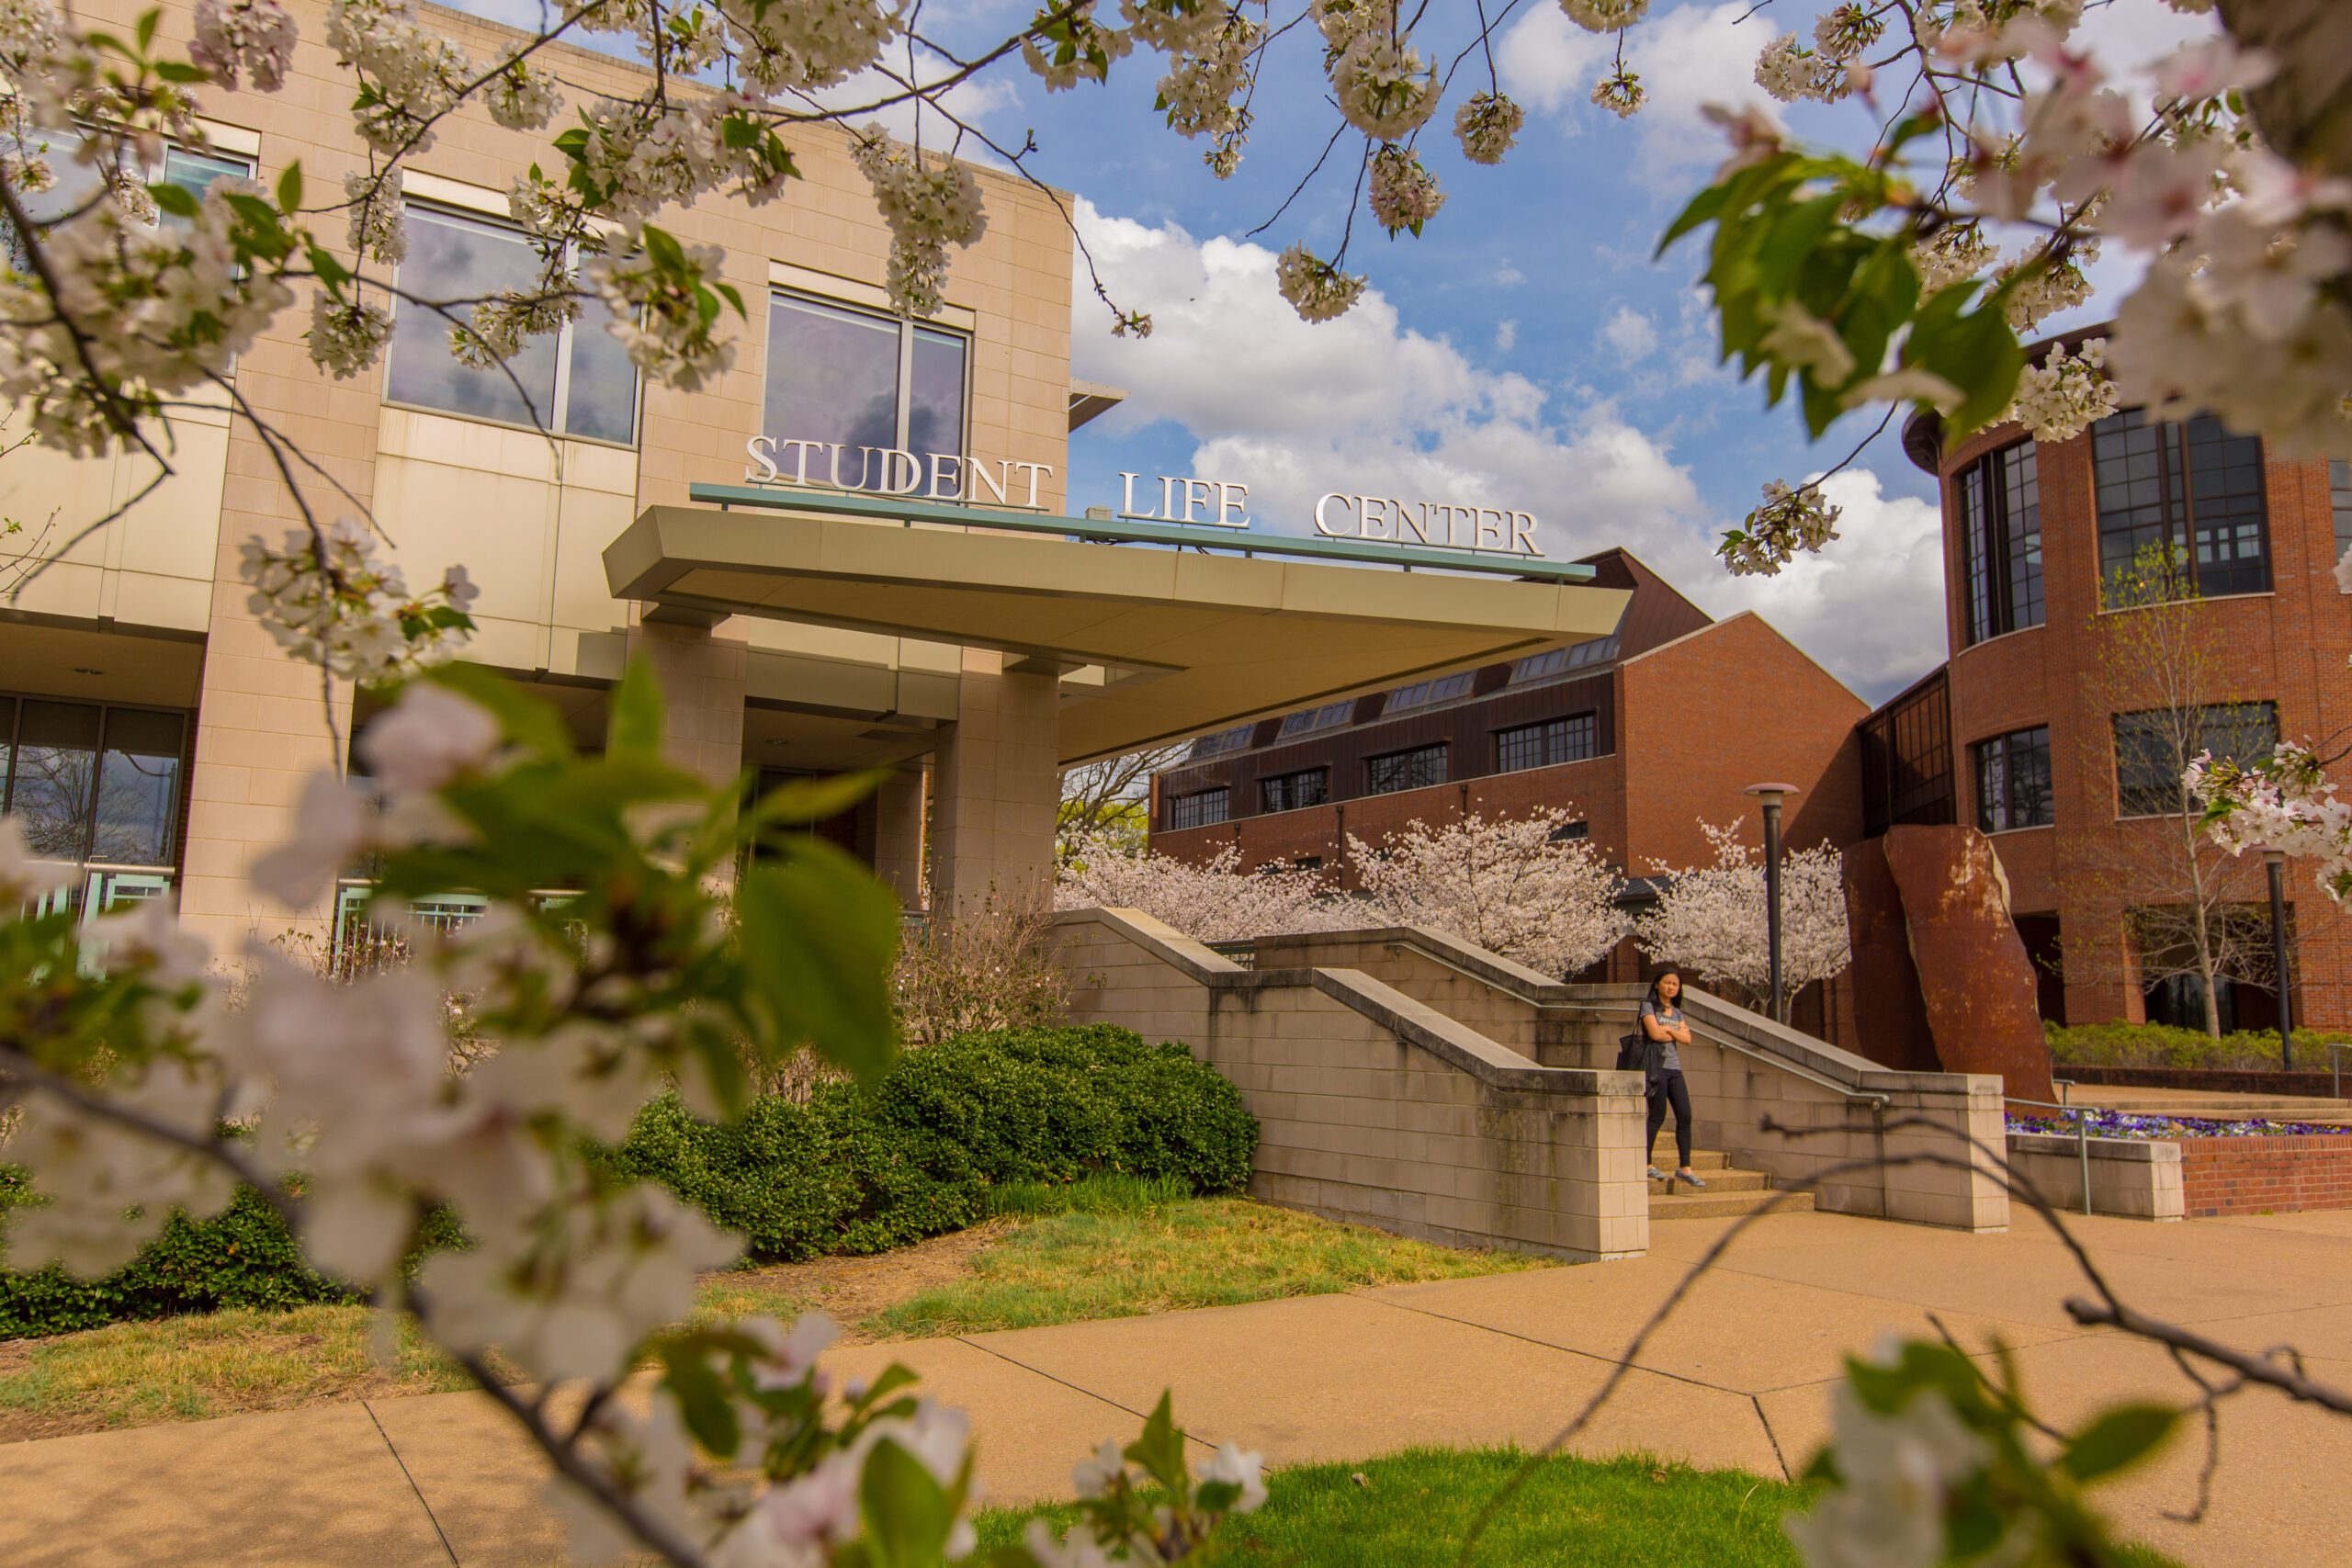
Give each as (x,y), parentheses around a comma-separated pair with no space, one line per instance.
(1213,902)
(1512,885)
(1713,919)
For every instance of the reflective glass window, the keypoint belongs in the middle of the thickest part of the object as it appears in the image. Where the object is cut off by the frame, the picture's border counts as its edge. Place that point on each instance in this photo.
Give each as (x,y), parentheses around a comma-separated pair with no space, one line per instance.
(1329,715)
(2000,542)
(1545,745)
(1291,792)
(834,377)
(2013,781)
(53,776)
(1201,809)
(138,788)
(2190,493)
(2153,749)
(1416,769)
(1423,693)
(2339,496)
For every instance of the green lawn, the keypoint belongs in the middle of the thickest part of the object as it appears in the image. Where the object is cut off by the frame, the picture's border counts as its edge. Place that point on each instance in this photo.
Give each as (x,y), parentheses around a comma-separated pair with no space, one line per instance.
(1413,1509)
(1168,1255)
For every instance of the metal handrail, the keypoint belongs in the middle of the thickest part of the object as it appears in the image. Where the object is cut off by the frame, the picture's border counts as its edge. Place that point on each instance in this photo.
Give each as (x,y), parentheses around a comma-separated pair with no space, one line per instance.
(2082,1133)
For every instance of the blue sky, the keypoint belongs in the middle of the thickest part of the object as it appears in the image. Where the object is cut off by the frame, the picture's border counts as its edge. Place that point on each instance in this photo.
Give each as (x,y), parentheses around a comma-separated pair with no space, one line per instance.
(1527,351)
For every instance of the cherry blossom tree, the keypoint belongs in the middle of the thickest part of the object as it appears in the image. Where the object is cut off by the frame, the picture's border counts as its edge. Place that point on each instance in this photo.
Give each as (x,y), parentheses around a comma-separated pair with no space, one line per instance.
(1512,885)
(1713,920)
(1216,901)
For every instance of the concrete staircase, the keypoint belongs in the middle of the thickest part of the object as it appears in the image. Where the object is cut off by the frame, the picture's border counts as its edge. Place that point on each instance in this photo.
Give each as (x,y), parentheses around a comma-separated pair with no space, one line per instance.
(1729,1190)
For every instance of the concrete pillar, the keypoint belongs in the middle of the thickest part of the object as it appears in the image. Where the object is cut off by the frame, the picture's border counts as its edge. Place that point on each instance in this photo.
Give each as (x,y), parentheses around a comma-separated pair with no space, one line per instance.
(898,835)
(702,688)
(998,786)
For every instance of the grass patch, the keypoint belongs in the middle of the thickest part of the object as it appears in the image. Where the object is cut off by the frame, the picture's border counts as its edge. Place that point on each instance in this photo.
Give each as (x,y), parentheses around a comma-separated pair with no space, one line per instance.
(1414,1508)
(194,1368)
(1105,1262)
(1104,1193)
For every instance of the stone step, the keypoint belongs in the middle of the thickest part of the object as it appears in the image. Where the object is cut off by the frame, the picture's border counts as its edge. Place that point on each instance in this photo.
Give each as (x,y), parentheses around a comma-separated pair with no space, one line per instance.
(1712,1205)
(1702,1160)
(1717,1179)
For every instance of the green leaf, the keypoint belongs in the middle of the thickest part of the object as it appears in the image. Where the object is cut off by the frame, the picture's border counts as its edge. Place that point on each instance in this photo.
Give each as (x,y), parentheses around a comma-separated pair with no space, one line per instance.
(178,200)
(1160,1447)
(636,729)
(2121,1437)
(290,188)
(148,22)
(332,272)
(528,721)
(702,1400)
(813,800)
(908,1514)
(817,935)
(734,297)
(179,71)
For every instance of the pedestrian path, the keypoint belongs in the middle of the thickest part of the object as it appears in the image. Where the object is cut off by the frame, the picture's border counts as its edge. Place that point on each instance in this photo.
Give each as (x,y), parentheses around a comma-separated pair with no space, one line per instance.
(1738,1376)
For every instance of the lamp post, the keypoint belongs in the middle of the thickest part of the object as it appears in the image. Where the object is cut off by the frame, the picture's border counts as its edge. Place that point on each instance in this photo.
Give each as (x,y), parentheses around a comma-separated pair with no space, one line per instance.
(2274,862)
(1772,794)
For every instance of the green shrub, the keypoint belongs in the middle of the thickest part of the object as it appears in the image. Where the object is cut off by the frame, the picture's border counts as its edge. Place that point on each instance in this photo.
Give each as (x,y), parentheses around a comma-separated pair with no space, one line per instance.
(2161,1045)
(863,1171)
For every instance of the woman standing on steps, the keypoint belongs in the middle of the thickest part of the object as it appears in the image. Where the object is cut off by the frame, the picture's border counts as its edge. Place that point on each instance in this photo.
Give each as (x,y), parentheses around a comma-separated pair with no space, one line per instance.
(1662,1023)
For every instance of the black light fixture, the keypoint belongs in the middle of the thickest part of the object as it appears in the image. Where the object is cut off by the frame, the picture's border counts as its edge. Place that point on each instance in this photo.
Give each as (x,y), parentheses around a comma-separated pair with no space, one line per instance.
(1772,794)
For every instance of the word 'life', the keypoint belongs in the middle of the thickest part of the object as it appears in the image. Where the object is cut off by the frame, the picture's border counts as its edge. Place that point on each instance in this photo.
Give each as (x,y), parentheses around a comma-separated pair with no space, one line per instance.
(1222,496)
(937,476)
(1439,522)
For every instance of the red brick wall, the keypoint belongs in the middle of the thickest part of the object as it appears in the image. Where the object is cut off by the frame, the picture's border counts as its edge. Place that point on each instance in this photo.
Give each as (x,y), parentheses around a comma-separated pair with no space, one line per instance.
(2246,1176)
(1700,719)
(2289,646)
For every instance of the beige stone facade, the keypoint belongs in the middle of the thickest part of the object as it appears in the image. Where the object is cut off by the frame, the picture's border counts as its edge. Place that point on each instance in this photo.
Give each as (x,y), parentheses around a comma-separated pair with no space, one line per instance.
(147,616)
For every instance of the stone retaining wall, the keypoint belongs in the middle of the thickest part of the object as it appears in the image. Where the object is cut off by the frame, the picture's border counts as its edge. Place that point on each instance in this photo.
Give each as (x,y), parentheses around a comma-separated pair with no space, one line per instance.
(2137,1179)
(1375,1107)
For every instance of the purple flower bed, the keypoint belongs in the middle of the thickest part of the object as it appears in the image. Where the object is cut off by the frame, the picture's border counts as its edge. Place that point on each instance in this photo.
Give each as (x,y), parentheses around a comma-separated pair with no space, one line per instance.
(2129,1124)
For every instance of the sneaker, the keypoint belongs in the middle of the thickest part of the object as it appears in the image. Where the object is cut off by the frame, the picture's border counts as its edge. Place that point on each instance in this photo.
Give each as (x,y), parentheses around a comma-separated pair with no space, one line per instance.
(1689,1180)
(1657,1175)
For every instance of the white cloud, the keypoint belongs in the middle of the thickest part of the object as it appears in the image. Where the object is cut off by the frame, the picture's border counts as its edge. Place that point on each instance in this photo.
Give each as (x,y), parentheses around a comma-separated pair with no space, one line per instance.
(1367,404)
(1506,274)
(1505,336)
(1629,334)
(1687,57)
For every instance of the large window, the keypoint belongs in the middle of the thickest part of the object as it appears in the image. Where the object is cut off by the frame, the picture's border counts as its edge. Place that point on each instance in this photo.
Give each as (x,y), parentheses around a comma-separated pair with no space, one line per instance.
(2339,495)
(1201,809)
(1330,716)
(2152,750)
(2190,492)
(1423,693)
(1416,769)
(74,183)
(1554,661)
(2000,542)
(2013,781)
(1224,740)
(862,385)
(90,783)
(1555,740)
(576,381)
(1289,792)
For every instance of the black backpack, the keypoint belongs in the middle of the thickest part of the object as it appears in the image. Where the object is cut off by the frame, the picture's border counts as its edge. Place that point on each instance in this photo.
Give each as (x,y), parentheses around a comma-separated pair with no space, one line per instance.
(1637,1053)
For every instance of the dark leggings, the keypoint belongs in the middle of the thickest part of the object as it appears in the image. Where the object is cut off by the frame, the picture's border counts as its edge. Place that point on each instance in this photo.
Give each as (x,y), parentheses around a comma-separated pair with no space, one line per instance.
(1670,1088)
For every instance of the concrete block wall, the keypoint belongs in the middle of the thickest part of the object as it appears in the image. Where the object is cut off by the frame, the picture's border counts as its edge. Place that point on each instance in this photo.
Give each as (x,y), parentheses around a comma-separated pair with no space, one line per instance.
(1375,1107)
(2133,1177)
(1831,1096)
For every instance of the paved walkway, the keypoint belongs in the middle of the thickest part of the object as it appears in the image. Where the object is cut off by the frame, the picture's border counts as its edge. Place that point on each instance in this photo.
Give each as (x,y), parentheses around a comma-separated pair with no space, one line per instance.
(1739,1378)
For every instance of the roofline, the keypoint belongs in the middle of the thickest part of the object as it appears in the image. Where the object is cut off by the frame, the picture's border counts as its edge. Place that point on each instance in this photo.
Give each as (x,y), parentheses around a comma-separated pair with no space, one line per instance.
(1751,616)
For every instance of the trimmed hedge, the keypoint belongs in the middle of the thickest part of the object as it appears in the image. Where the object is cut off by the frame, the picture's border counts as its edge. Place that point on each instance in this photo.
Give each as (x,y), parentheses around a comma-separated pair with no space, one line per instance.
(852,1171)
(2162,1045)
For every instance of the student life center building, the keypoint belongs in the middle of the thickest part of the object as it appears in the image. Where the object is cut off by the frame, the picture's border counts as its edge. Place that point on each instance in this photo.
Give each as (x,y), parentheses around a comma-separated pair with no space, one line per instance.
(151,732)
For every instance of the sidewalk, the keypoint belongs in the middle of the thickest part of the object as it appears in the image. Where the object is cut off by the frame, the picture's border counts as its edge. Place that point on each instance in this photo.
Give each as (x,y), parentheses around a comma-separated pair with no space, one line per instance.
(1738,1377)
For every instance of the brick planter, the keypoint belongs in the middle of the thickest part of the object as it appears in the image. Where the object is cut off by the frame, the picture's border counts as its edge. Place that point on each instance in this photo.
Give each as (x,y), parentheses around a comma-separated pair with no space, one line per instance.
(2245,1176)
(2213,1081)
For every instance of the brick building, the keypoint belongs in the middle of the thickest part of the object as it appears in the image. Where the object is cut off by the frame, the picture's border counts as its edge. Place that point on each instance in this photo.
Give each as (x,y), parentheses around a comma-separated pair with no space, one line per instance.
(1642,734)
(2036,734)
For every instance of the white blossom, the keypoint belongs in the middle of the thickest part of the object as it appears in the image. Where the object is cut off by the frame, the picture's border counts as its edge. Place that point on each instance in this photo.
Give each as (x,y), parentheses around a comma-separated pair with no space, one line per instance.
(1714,920)
(1803,341)
(345,339)
(1216,901)
(929,204)
(1621,92)
(377,228)
(111,1187)
(1402,194)
(1100,1472)
(2064,395)
(24,879)
(412,73)
(1789,70)
(1955,251)
(1487,125)
(1203,81)
(1845,30)
(806,43)
(522,97)
(1899,1473)
(431,735)
(1512,885)
(657,314)
(1605,16)
(1382,86)
(256,36)
(1317,291)
(1237,1467)
(1086,56)
(332,829)
(1905,384)
(327,600)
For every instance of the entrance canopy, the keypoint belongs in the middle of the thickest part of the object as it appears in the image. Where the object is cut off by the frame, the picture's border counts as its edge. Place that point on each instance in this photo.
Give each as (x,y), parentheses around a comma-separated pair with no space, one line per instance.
(1151,644)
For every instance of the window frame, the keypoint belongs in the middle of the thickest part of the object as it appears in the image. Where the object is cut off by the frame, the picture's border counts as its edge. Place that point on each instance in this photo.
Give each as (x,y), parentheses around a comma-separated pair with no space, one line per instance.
(907,327)
(560,398)
(2003,751)
(1177,801)
(11,745)
(1314,721)
(1995,555)
(1443,749)
(1402,700)
(2204,728)
(2177,504)
(1590,718)
(1272,785)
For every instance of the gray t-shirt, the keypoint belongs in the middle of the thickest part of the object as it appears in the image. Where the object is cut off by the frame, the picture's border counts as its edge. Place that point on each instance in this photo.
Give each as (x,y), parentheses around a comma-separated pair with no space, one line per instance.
(1670,1016)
